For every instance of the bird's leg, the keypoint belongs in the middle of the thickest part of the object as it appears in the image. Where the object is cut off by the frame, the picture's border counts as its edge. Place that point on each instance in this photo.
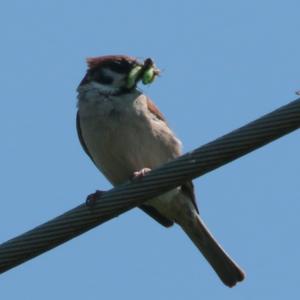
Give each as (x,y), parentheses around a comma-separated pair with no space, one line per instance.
(91,199)
(140,174)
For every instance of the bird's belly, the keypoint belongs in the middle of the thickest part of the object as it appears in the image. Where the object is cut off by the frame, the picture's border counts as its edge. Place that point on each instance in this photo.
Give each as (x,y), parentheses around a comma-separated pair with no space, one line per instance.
(122,136)
(119,148)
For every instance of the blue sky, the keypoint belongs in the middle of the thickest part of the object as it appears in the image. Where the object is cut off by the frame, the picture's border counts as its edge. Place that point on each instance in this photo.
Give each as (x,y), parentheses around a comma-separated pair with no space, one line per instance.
(224,64)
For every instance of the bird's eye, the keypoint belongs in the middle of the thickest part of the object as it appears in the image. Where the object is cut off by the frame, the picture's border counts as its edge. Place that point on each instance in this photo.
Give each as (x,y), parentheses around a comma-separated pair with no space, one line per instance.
(103,78)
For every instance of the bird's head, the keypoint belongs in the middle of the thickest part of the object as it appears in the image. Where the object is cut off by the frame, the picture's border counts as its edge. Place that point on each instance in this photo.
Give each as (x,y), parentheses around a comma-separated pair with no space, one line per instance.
(117,74)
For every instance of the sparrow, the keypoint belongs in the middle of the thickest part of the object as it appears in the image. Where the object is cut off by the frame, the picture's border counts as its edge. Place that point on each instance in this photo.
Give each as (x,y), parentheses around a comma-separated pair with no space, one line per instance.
(125,135)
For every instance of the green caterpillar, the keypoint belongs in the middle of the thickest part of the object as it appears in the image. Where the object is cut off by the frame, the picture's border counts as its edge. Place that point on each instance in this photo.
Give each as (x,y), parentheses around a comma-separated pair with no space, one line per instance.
(133,76)
(148,76)
(138,73)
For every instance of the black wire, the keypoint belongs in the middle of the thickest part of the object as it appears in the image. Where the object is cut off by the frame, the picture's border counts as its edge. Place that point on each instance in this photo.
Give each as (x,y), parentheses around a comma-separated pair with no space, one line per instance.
(122,198)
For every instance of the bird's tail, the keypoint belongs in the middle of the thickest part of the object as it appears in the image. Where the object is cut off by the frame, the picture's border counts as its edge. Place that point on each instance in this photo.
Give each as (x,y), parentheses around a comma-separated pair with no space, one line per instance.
(228,271)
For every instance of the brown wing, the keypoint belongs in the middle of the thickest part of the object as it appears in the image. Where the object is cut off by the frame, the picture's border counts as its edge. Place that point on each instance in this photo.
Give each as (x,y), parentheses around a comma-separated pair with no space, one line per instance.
(154,110)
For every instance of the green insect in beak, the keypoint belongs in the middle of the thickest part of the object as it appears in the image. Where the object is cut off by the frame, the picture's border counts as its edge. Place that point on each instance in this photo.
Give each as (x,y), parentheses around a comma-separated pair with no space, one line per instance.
(146,73)
(148,76)
(134,76)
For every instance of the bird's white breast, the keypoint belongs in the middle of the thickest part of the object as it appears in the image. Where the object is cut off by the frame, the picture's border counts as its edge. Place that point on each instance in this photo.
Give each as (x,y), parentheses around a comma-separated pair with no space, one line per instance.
(122,135)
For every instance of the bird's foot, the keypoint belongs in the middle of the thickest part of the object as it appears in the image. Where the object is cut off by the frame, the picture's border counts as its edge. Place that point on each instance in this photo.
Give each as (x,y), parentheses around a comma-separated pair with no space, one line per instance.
(141,173)
(91,199)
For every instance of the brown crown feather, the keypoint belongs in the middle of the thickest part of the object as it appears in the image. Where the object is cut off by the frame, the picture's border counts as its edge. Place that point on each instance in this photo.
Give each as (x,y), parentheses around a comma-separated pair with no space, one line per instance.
(94,62)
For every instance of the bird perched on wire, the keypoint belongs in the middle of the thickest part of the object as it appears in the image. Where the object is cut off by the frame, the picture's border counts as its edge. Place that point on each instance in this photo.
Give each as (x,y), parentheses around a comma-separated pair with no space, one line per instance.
(125,135)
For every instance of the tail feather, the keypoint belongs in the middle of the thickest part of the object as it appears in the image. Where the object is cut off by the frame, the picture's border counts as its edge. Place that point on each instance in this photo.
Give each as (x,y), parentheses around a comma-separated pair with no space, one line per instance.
(228,271)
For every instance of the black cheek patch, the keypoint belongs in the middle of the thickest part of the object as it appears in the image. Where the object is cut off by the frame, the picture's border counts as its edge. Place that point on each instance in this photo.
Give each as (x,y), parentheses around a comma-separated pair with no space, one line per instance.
(103,78)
